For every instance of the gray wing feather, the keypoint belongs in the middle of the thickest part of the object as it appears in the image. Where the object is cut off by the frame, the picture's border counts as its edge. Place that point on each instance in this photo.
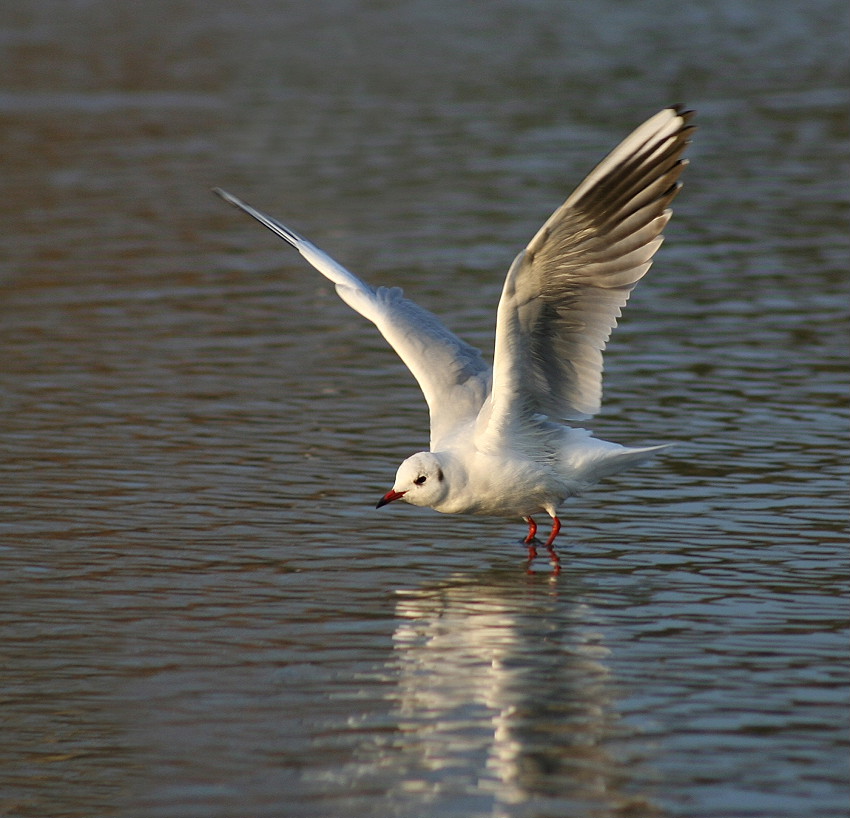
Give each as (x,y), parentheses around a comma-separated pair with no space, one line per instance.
(453,377)
(566,289)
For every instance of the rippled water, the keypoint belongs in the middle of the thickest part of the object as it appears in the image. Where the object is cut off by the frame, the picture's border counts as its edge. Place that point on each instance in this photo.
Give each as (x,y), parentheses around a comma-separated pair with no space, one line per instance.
(203,614)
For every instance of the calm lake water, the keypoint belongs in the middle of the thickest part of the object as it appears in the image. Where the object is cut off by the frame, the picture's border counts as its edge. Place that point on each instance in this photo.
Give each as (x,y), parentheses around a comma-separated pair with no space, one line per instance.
(202,614)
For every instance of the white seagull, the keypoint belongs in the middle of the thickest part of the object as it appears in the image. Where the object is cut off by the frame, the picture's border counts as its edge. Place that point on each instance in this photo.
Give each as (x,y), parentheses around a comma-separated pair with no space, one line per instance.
(499,445)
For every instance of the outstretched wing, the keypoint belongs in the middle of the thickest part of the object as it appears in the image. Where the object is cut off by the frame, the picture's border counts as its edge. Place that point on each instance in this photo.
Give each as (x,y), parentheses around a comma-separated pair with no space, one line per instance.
(453,377)
(565,290)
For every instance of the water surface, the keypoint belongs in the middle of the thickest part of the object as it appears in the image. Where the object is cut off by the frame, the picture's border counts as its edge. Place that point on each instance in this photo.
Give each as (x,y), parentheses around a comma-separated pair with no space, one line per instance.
(202,612)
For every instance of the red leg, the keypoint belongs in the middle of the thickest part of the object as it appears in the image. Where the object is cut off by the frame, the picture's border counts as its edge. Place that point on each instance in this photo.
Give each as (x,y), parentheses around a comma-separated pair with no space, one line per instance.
(532,530)
(556,527)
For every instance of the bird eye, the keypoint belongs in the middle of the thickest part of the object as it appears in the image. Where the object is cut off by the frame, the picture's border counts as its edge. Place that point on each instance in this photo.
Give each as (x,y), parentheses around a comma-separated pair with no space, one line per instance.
(420,480)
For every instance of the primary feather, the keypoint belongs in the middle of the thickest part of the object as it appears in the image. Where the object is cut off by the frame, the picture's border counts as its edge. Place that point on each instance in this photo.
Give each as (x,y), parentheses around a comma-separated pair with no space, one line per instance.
(566,289)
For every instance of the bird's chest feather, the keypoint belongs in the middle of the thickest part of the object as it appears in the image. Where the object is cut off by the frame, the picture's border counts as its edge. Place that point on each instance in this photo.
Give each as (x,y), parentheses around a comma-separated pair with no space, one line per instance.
(501,487)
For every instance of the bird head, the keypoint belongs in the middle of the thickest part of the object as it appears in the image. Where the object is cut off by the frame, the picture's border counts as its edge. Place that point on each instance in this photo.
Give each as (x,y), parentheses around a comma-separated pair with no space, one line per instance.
(420,481)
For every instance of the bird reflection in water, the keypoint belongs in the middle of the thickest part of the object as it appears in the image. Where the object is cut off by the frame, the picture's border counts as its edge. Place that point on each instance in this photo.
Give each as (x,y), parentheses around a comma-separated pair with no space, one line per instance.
(531,542)
(505,694)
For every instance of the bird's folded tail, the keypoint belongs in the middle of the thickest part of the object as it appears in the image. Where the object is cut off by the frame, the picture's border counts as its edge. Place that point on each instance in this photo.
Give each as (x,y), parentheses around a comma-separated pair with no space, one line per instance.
(606,459)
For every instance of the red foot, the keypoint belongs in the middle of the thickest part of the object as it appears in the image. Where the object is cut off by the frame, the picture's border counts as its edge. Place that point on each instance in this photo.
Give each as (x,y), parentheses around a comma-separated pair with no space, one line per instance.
(532,551)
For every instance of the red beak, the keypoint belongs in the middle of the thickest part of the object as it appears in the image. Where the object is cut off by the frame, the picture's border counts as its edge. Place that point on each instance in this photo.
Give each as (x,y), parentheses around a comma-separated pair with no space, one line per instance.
(389,497)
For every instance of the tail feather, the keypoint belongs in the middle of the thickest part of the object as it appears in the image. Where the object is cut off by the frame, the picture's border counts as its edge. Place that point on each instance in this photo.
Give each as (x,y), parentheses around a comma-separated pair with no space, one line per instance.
(604,459)
(628,457)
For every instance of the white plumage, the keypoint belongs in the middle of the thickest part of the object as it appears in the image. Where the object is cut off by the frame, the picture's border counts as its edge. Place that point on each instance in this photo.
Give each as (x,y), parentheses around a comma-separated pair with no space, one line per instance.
(498,442)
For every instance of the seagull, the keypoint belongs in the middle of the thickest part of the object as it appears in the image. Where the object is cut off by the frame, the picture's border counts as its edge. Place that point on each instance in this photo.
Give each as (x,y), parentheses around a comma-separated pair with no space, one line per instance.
(500,440)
